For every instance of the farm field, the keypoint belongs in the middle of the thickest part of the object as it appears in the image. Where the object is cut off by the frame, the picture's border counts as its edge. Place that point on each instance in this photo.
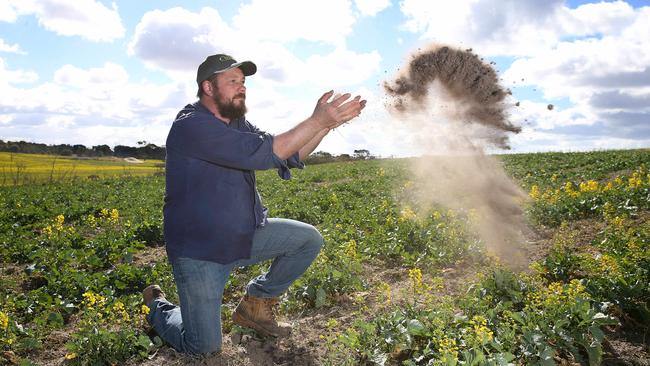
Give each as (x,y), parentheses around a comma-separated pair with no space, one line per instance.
(392,286)
(18,169)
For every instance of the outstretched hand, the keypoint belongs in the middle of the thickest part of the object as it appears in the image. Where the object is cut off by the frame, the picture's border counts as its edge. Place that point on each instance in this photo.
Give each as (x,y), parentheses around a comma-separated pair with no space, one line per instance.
(340,109)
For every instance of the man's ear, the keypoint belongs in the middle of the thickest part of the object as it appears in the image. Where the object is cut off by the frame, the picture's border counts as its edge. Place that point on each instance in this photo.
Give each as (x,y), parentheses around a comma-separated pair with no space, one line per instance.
(207,88)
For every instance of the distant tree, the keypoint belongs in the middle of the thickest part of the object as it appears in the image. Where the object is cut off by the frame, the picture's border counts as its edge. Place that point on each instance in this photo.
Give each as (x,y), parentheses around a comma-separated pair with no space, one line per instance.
(319,157)
(151,151)
(62,149)
(361,154)
(79,150)
(102,150)
(344,157)
(125,151)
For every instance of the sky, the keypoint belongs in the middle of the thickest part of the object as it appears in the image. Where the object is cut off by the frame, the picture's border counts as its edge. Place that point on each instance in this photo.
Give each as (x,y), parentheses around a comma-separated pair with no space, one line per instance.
(116,72)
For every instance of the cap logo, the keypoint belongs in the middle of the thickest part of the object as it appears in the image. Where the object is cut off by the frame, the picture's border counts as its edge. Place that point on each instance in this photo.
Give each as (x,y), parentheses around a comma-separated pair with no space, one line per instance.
(225,58)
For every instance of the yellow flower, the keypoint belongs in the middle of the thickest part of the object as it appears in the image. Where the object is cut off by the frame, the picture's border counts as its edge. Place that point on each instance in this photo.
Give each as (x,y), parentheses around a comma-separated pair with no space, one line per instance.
(568,189)
(71,356)
(419,286)
(634,181)
(332,323)
(415,274)
(381,172)
(534,192)
(554,178)
(608,264)
(351,249)
(58,222)
(48,231)
(608,187)
(91,299)
(90,220)
(589,186)
(144,309)
(115,215)
(4,321)
(481,331)
(449,350)
(407,214)
(111,216)
(119,312)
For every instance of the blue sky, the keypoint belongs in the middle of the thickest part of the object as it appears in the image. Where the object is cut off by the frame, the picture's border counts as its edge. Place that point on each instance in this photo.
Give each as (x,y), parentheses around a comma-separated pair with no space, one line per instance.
(101,72)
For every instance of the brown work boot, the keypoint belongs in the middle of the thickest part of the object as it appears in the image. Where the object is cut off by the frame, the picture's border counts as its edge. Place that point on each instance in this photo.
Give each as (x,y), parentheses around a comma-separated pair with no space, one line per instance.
(260,314)
(152,293)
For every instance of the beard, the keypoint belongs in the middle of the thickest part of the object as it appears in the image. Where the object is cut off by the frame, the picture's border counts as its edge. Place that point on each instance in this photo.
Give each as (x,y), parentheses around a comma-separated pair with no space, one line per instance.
(233,108)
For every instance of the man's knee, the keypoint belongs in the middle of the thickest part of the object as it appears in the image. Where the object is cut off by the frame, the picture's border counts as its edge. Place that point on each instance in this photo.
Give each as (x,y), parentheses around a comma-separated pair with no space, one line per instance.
(315,239)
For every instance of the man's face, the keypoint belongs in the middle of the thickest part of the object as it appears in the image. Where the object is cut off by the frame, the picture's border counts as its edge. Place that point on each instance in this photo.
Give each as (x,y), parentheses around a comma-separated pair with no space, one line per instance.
(230,93)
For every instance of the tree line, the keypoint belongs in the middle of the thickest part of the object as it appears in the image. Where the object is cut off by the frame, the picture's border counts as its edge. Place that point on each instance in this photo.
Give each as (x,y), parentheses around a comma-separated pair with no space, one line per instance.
(144,150)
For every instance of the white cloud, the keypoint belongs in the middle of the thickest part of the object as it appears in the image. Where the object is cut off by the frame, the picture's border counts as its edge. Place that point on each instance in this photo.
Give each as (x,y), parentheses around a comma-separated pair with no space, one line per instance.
(110,75)
(90,106)
(490,27)
(599,18)
(517,28)
(178,39)
(371,7)
(7,12)
(13,48)
(15,76)
(88,19)
(341,68)
(606,78)
(194,36)
(291,20)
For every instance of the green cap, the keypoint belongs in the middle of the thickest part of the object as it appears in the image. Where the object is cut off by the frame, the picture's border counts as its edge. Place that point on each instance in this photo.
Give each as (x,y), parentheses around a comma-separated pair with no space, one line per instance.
(219,63)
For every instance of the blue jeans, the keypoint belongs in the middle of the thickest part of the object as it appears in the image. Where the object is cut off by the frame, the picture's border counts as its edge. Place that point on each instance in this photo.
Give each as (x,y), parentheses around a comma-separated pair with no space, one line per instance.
(195,326)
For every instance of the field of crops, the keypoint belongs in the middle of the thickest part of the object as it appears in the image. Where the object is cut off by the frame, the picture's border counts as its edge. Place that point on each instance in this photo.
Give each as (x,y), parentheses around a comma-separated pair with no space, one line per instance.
(391,287)
(18,169)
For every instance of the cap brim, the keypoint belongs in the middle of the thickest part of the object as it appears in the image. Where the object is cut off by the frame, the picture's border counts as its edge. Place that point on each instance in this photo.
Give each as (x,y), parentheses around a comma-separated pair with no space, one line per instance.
(247,67)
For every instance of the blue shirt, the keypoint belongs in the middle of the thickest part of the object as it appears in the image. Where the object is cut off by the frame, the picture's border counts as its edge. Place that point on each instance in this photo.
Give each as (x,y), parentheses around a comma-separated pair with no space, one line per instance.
(212,206)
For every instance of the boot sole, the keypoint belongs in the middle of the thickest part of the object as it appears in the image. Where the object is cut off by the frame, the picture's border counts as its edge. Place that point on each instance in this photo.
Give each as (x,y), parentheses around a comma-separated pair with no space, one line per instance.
(245,322)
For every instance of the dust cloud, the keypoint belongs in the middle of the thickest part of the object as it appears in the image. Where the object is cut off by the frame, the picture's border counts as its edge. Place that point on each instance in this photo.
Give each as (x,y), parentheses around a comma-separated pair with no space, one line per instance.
(451,105)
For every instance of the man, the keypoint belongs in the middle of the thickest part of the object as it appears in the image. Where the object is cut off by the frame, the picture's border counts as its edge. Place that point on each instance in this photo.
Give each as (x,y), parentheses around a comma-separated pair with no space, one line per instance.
(214,220)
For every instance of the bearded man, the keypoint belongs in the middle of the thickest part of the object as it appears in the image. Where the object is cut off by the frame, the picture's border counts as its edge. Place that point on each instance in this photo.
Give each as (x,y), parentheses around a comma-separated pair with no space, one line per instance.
(214,220)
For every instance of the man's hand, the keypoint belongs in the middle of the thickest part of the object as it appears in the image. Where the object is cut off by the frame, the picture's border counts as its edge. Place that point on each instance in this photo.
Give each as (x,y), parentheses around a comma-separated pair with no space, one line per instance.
(305,136)
(341,109)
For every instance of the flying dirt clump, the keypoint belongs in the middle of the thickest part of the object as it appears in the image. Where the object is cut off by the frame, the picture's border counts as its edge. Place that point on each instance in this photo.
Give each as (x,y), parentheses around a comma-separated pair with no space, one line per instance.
(466,79)
(449,105)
